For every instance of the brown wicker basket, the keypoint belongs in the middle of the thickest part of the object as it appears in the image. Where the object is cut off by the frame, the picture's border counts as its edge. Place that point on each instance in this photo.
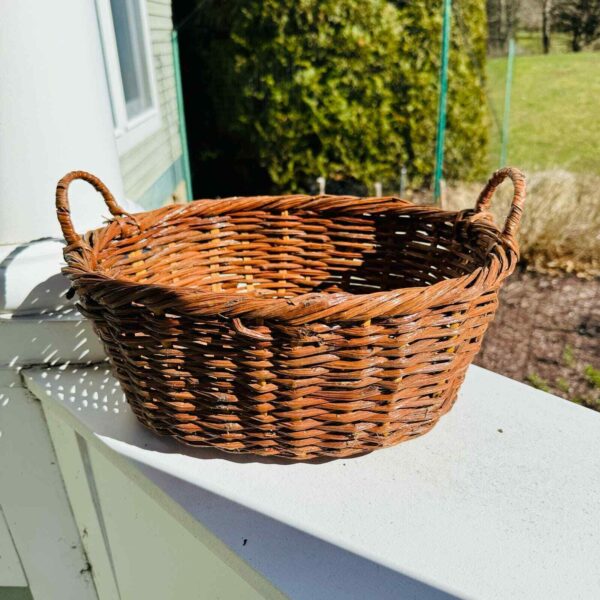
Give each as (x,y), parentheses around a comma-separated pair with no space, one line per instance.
(292,326)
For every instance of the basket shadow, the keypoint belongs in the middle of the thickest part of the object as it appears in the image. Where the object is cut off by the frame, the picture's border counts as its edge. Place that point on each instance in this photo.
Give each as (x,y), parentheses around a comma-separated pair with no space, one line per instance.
(46,298)
(398,251)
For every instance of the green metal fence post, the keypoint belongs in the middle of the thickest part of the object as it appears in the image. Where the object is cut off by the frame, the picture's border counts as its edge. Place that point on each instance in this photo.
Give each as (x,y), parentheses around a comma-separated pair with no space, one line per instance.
(507,92)
(187,173)
(441,126)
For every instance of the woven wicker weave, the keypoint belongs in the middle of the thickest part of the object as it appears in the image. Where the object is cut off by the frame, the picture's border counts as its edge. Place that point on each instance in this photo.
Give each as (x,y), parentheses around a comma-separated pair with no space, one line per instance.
(292,326)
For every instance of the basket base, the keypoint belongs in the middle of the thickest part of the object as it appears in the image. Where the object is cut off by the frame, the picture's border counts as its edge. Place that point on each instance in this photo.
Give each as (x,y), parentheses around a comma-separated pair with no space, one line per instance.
(350,449)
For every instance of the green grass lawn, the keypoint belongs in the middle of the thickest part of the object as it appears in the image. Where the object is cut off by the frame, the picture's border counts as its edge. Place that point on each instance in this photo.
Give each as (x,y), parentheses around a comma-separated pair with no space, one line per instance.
(555,111)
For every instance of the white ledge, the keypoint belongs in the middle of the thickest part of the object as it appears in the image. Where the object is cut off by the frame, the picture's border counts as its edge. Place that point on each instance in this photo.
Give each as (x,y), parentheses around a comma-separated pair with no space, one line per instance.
(55,338)
(501,500)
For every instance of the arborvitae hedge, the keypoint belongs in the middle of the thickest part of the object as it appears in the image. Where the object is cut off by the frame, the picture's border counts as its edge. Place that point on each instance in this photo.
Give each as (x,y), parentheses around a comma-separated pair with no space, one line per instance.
(279,92)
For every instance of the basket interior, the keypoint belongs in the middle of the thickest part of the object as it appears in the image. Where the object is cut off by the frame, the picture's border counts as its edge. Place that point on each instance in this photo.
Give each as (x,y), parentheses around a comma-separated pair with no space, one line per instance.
(284,255)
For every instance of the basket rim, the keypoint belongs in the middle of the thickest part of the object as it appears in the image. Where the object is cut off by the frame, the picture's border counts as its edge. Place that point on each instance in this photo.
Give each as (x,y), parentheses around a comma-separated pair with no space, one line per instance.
(303,308)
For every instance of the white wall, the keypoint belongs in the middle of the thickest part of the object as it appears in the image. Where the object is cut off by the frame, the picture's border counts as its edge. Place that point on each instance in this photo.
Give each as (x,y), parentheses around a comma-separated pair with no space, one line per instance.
(55,116)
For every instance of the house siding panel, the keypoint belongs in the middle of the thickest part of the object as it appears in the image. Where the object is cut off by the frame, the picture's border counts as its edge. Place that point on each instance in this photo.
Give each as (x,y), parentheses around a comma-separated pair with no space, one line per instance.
(159,8)
(144,165)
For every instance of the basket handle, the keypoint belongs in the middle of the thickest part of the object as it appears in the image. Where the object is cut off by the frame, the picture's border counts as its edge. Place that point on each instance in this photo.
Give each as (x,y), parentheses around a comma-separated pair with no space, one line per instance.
(63,210)
(511,227)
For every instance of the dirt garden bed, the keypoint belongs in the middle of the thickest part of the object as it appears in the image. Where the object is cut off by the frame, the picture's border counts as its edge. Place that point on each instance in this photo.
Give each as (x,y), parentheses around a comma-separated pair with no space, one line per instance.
(547,333)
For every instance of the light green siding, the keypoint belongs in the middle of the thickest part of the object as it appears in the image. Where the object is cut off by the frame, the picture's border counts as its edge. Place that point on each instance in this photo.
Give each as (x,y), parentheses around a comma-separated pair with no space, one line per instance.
(144,165)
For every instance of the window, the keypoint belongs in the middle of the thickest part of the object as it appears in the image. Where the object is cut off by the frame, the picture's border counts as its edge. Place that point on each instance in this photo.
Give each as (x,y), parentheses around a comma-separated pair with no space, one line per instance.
(128,60)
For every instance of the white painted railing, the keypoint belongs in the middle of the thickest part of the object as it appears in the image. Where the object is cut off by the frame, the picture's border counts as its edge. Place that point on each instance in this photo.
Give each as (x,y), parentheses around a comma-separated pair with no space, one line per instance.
(500,500)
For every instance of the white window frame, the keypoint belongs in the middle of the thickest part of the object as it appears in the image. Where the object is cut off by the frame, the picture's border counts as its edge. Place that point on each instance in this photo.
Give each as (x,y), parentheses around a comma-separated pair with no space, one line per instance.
(128,132)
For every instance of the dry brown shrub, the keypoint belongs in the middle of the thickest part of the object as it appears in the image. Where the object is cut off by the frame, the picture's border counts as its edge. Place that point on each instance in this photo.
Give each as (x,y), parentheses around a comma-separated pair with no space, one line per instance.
(560,230)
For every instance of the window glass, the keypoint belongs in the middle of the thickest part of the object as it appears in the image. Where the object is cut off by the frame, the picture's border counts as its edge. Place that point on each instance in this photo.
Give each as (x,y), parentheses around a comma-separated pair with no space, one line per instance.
(133,61)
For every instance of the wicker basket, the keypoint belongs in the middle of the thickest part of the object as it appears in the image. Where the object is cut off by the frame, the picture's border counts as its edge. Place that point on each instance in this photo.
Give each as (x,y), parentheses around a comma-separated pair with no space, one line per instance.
(292,326)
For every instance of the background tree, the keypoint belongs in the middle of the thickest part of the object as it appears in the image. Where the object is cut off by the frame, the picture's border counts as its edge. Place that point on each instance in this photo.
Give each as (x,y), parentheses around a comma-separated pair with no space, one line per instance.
(579,18)
(546,25)
(279,92)
(503,20)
